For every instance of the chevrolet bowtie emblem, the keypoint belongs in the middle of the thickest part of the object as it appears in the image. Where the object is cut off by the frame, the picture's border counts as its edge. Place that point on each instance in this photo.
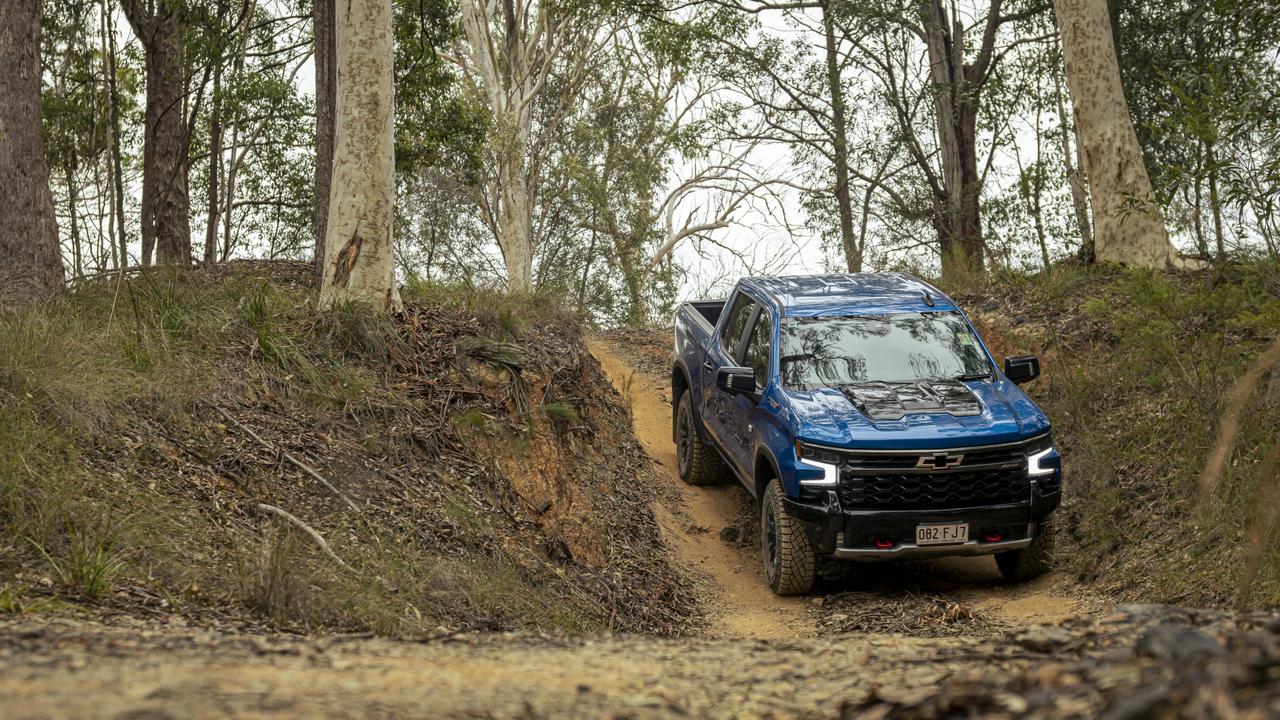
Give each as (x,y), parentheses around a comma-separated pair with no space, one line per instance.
(939,461)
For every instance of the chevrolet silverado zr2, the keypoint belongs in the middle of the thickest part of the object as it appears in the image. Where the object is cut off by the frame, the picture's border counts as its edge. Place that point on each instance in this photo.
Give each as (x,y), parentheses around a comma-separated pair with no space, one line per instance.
(870,422)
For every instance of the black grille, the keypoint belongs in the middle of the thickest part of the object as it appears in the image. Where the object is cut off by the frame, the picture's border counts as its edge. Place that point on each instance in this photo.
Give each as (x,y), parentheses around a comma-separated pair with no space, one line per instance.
(969,457)
(910,491)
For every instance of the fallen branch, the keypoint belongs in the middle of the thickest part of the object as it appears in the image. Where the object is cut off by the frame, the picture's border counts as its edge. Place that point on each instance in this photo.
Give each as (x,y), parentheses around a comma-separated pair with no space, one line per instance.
(291,459)
(310,531)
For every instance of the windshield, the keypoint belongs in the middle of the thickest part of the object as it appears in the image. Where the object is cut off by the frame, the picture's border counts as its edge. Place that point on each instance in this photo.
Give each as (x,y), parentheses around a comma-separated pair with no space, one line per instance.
(907,347)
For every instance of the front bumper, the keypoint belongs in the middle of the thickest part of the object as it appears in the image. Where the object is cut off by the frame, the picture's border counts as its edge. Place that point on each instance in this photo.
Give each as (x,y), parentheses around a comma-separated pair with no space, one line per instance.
(907,552)
(852,534)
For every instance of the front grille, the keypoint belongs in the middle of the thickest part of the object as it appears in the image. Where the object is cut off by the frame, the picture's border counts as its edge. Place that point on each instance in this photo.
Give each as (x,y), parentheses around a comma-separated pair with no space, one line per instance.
(934,490)
(969,457)
(932,480)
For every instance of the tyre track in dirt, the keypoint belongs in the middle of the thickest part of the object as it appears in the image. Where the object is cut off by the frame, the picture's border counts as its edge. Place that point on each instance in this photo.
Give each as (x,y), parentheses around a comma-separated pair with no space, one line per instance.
(737,600)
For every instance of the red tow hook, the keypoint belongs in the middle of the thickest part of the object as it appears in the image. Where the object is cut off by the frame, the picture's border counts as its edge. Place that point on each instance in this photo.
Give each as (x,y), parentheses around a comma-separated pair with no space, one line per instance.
(992,537)
(883,544)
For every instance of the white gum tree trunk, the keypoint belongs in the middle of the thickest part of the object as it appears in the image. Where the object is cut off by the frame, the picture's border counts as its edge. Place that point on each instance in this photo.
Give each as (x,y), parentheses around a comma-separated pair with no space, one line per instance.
(510,53)
(359,257)
(501,65)
(1127,225)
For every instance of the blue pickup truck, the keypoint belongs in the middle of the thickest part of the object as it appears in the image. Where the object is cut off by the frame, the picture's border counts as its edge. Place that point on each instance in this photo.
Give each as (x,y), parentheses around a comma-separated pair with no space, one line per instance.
(869,421)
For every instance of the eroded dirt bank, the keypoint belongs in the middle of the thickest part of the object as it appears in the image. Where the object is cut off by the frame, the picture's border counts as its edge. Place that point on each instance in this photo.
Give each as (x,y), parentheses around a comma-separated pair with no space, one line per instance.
(933,640)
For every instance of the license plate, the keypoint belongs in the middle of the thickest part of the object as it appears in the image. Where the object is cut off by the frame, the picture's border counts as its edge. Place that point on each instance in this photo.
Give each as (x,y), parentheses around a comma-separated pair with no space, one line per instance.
(947,534)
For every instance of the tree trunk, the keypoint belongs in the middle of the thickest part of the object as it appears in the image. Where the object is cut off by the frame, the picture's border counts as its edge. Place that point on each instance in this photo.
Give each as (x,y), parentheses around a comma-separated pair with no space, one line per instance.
(326,89)
(840,144)
(515,221)
(117,155)
(1079,202)
(1215,203)
(1037,190)
(359,259)
(73,215)
(166,206)
(30,259)
(215,168)
(508,86)
(955,96)
(1128,228)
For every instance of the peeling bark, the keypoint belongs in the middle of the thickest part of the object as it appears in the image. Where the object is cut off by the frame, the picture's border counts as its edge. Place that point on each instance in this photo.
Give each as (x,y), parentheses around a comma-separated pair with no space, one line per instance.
(1128,228)
(30,259)
(359,261)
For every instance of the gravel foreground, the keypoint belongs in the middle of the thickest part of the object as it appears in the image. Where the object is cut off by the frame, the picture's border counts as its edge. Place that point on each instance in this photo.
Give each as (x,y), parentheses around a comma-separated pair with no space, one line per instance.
(1143,661)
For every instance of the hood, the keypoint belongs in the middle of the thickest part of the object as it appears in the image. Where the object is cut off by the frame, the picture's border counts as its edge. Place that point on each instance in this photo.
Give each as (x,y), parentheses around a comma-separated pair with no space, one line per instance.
(915,415)
(894,401)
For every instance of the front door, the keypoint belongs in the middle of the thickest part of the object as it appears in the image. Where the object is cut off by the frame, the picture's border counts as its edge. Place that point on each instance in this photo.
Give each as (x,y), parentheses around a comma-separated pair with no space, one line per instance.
(744,410)
(724,352)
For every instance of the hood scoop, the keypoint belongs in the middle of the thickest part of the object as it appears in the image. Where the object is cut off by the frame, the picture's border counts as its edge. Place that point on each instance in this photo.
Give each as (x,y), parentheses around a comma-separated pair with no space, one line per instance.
(894,401)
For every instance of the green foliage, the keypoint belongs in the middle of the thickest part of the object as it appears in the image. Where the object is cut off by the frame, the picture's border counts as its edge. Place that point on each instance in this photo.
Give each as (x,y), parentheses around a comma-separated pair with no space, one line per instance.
(93,562)
(1202,84)
(1137,365)
(103,392)
(10,601)
(561,412)
(437,125)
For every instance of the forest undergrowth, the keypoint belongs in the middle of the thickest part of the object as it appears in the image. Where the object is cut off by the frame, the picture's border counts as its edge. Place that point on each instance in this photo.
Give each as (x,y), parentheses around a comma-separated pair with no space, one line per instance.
(205,443)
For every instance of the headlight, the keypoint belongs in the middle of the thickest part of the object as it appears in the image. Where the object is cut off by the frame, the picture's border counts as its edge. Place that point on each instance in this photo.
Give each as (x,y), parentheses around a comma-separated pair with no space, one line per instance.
(1042,458)
(821,458)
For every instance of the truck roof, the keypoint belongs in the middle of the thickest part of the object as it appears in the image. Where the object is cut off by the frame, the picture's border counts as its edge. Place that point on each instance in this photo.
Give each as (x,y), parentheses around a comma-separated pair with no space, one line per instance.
(851,294)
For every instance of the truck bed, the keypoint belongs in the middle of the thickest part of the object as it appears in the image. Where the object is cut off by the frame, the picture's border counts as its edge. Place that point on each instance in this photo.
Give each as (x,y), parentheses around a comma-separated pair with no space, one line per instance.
(709,310)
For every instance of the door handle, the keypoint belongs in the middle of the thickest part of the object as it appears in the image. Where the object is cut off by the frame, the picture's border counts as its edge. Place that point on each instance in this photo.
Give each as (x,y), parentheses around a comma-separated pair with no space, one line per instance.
(707,365)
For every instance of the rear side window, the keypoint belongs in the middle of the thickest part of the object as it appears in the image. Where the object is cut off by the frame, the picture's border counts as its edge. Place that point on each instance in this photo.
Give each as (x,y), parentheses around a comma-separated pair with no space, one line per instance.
(731,337)
(756,356)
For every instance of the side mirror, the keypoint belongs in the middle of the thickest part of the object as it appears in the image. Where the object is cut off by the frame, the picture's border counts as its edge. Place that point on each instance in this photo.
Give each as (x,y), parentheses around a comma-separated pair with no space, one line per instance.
(1022,369)
(734,380)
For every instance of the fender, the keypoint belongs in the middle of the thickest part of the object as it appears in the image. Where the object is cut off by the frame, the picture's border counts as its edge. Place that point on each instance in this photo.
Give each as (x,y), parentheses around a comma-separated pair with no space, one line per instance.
(763,455)
(678,365)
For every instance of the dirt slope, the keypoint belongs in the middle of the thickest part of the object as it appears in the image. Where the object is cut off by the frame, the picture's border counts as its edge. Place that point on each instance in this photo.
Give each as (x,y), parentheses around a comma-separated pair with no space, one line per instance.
(738,602)
(1140,661)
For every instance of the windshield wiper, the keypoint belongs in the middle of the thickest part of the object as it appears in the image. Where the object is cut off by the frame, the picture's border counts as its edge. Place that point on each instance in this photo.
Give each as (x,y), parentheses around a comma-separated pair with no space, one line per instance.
(973,376)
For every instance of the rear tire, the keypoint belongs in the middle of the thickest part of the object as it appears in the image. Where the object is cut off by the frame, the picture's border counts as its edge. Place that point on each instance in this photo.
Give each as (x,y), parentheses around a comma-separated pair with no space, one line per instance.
(1032,561)
(698,462)
(789,560)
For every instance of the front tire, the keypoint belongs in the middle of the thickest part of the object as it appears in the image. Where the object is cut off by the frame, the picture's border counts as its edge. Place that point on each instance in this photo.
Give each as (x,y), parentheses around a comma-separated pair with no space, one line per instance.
(698,462)
(789,560)
(1032,561)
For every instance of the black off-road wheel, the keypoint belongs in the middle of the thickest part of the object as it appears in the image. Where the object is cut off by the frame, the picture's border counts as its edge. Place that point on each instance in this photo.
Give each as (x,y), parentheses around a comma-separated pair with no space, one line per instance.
(789,560)
(698,462)
(1032,561)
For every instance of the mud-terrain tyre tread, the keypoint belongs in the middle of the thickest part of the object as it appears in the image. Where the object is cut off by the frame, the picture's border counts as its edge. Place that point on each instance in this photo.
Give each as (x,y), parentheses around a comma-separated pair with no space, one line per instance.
(1032,561)
(705,466)
(796,562)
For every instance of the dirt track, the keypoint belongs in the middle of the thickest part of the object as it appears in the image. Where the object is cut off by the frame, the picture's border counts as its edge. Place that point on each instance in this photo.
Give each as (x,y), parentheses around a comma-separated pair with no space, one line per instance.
(763,656)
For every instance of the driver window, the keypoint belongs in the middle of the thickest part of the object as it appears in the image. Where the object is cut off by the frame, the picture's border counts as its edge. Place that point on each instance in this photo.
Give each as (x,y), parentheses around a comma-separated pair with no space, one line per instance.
(757,353)
(731,336)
